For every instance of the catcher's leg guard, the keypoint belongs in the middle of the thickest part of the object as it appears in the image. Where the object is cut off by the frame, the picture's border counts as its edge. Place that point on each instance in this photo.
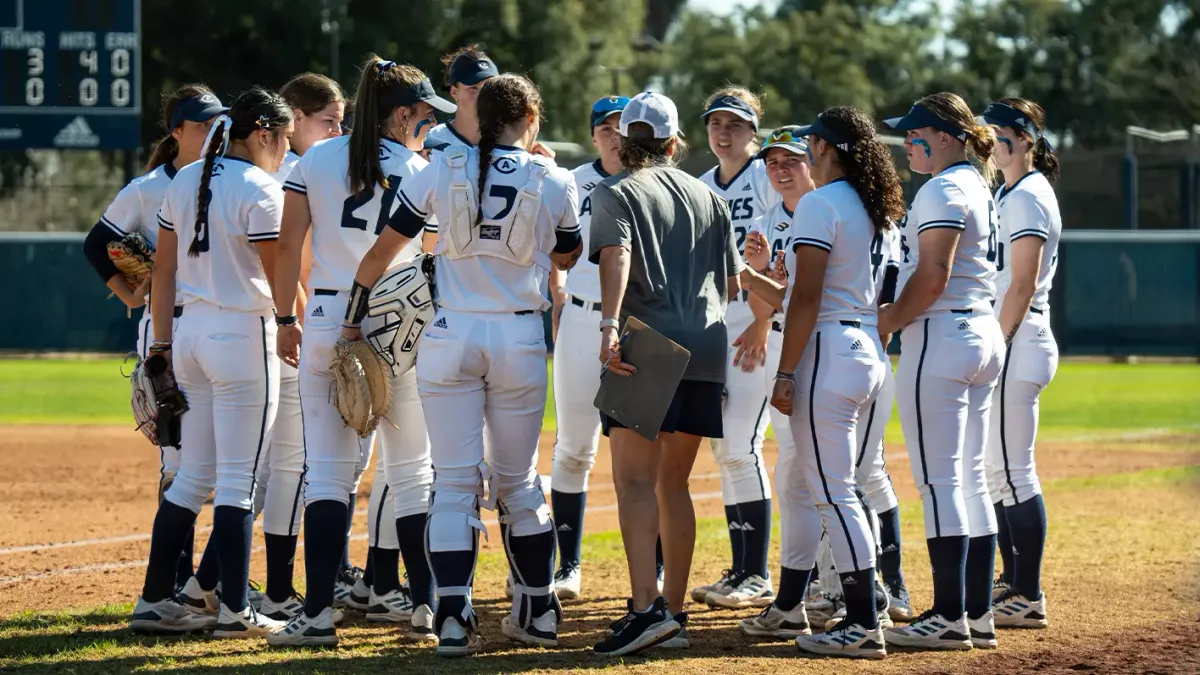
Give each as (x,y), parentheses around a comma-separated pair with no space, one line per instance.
(452,539)
(528,533)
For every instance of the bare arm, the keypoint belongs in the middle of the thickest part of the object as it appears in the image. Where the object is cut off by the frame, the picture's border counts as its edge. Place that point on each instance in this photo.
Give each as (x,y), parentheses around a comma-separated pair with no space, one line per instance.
(288,265)
(614,279)
(162,301)
(768,292)
(267,253)
(804,305)
(1024,261)
(927,284)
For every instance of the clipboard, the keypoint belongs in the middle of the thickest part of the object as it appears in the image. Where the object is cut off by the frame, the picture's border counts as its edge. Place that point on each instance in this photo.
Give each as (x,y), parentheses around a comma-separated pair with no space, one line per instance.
(640,401)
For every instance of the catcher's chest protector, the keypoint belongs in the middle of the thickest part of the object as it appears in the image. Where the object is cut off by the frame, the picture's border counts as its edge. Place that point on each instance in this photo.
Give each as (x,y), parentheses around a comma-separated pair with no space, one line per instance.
(513,237)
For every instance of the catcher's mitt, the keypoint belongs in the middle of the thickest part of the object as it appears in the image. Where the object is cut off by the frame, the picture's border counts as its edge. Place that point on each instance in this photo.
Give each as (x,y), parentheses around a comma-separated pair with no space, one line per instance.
(133,257)
(362,386)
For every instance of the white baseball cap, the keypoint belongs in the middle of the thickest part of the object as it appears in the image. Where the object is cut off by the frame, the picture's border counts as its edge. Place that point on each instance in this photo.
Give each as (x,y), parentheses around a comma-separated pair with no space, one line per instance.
(653,109)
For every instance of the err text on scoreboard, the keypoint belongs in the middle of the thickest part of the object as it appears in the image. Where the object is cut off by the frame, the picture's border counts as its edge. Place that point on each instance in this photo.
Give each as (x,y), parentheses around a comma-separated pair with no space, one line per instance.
(70,74)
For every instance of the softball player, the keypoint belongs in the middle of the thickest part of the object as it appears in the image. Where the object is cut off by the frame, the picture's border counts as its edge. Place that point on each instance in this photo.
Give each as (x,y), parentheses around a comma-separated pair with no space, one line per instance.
(732,118)
(576,380)
(346,189)
(481,369)
(188,113)
(223,276)
(318,104)
(466,70)
(831,366)
(1027,255)
(952,356)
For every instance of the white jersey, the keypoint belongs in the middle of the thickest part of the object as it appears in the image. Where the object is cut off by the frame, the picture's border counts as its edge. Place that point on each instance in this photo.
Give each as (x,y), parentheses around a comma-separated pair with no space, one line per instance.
(1028,209)
(776,226)
(444,136)
(833,219)
(957,198)
(246,208)
(290,160)
(483,283)
(135,208)
(583,281)
(345,225)
(749,196)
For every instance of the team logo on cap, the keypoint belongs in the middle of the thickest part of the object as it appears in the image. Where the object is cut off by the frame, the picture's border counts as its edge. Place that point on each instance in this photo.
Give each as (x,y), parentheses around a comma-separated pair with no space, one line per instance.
(730,100)
(484,65)
(208,98)
(504,165)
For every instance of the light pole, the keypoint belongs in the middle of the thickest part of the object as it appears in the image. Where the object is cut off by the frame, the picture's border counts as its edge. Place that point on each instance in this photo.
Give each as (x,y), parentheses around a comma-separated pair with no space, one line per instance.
(330,27)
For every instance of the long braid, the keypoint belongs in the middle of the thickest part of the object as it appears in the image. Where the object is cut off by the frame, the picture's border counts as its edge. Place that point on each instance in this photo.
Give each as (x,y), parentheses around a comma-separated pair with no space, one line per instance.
(487,143)
(504,100)
(204,196)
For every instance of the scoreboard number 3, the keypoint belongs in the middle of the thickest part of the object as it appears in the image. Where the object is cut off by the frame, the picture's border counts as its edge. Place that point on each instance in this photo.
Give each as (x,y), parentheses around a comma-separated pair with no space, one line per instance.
(35,86)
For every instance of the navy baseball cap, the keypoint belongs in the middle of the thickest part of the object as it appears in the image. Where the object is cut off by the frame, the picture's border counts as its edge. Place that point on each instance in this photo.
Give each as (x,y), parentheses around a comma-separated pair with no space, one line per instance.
(734,105)
(422,91)
(788,138)
(919,117)
(200,108)
(1004,115)
(821,130)
(469,70)
(607,106)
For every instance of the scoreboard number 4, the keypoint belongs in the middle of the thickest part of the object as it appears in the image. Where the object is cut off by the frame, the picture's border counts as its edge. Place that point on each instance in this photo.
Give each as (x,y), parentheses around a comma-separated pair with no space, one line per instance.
(89,87)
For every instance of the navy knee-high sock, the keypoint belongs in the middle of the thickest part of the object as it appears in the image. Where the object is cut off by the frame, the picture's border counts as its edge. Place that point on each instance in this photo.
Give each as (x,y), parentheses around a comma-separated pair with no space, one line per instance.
(232,527)
(349,527)
(386,564)
(410,532)
(281,566)
(1004,542)
(368,575)
(184,570)
(737,542)
(858,588)
(208,572)
(891,554)
(1027,527)
(756,536)
(948,558)
(568,515)
(981,565)
(533,560)
(658,556)
(324,531)
(793,586)
(171,525)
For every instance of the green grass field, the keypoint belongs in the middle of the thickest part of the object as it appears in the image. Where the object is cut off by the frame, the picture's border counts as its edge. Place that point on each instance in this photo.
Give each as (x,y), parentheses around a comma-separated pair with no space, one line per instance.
(1086,400)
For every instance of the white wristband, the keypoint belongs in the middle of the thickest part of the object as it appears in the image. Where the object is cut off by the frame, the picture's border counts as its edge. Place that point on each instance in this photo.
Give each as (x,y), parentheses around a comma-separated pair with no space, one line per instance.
(609,323)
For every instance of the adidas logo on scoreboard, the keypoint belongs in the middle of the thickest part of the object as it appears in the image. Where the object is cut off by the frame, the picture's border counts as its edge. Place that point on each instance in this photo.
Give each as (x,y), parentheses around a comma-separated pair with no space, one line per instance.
(77,134)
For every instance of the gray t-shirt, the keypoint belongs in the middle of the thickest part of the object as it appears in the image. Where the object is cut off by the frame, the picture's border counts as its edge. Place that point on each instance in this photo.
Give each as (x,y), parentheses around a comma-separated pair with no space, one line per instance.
(681,238)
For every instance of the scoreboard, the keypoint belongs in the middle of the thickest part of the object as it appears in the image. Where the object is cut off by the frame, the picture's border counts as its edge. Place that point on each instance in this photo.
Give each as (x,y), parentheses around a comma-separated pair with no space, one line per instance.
(70,74)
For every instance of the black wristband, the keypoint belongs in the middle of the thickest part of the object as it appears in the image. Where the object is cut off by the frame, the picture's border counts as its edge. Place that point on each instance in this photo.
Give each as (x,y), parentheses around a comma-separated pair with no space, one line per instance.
(356,309)
(780,375)
(289,320)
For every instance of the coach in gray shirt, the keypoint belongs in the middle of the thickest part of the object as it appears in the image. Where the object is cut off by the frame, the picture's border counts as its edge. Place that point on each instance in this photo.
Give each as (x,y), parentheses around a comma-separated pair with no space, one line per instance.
(664,243)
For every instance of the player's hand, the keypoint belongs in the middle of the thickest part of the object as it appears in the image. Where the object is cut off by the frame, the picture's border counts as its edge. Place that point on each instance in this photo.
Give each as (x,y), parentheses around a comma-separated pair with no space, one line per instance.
(778,271)
(542,149)
(352,334)
(610,354)
(757,250)
(752,346)
(886,320)
(287,344)
(783,395)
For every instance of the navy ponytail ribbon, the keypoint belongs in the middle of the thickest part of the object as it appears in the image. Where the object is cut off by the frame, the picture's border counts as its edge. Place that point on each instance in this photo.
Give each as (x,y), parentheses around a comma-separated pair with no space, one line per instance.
(382,67)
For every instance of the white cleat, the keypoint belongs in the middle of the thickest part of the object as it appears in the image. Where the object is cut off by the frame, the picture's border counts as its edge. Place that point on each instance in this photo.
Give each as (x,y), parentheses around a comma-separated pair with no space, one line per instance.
(700,593)
(885,621)
(541,632)
(302,631)
(848,640)
(421,625)
(983,631)
(255,595)
(350,591)
(567,581)
(244,624)
(281,611)
(999,588)
(899,604)
(748,590)
(776,624)
(455,639)
(680,641)
(168,616)
(392,607)
(932,631)
(198,600)
(823,609)
(1016,611)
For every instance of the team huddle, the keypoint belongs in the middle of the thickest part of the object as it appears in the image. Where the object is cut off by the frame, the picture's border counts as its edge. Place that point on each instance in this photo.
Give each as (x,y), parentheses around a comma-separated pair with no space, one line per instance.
(303,251)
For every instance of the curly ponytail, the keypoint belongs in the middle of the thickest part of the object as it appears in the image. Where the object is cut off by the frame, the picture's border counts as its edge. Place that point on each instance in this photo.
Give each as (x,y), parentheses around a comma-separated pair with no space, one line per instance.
(504,100)
(867,165)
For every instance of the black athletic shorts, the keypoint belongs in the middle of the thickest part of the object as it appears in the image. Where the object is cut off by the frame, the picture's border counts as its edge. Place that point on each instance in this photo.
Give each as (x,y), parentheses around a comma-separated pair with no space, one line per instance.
(696,408)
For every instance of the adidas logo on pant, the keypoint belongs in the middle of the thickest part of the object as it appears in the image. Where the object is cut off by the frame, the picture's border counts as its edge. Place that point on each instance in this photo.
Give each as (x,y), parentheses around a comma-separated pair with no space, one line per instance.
(318,312)
(564,528)
(440,323)
(857,346)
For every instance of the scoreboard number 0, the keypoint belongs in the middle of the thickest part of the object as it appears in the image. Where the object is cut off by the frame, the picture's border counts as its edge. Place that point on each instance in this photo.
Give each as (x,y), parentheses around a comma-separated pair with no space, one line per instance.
(35,88)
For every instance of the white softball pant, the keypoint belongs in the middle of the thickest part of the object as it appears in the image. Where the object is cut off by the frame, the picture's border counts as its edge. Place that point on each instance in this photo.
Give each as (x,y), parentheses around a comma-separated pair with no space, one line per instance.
(839,377)
(948,369)
(279,492)
(870,469)
(739,454)
(404,470)
(226,367)
(480,373)
(1029,366)
(576,381)
(168,457)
